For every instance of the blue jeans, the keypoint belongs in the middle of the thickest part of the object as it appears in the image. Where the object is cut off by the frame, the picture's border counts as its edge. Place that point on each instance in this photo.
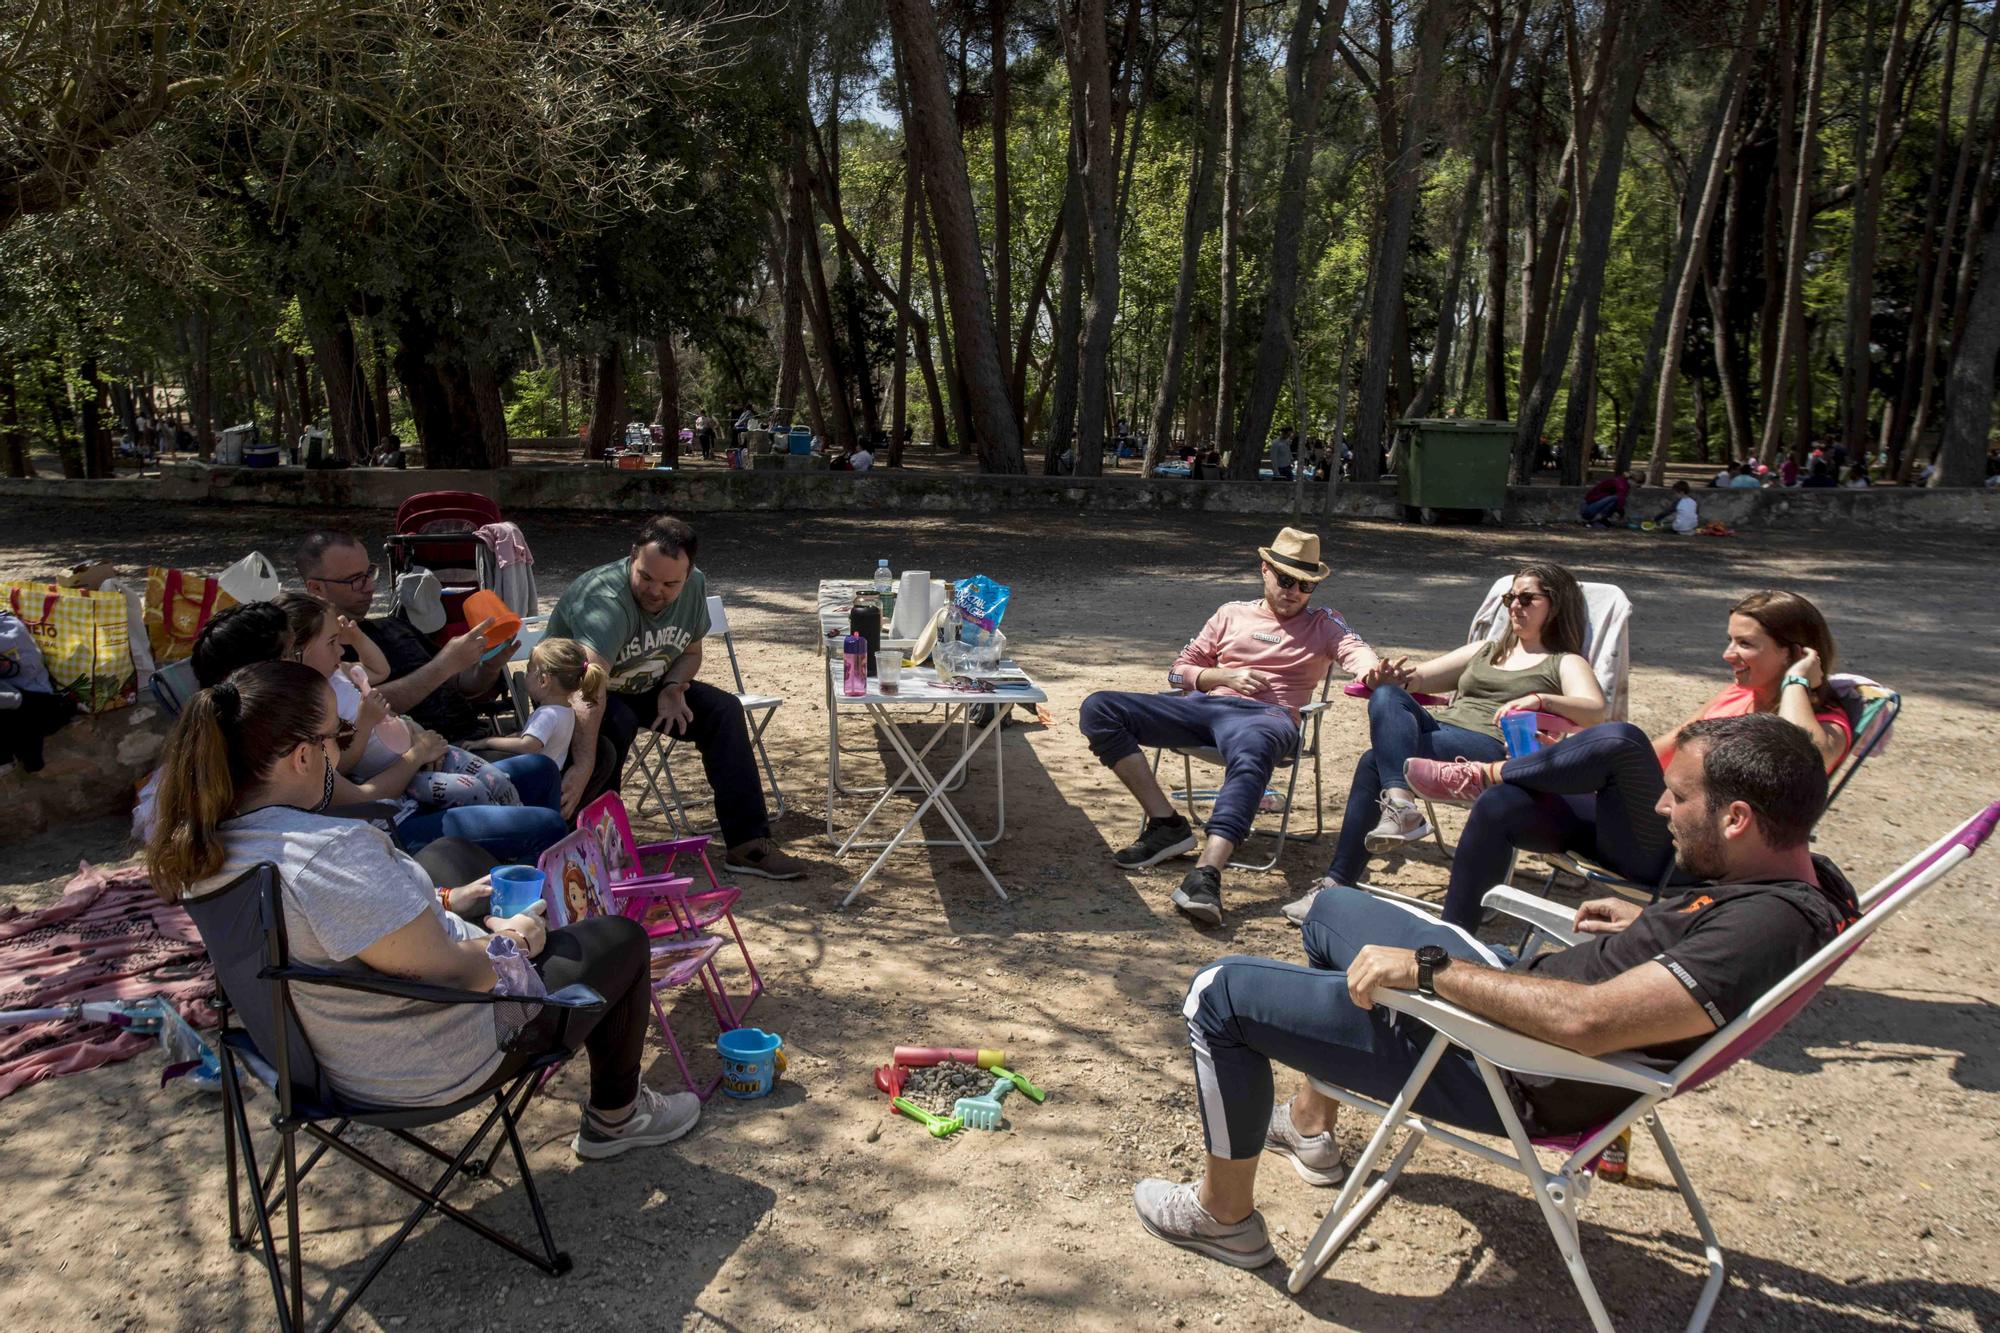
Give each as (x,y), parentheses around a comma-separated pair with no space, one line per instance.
(1592,793)
(1243,1013)
(1593,510)
(514,834)
(1252,737)
(1399,729)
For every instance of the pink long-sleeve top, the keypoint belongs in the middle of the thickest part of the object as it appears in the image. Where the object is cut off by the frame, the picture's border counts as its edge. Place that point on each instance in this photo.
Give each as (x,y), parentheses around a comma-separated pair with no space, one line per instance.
(1294,654)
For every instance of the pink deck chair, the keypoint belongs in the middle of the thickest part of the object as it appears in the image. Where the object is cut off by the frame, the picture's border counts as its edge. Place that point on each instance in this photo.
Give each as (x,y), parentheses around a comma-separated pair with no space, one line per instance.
(579,881)
(1560,1193)
(670,905)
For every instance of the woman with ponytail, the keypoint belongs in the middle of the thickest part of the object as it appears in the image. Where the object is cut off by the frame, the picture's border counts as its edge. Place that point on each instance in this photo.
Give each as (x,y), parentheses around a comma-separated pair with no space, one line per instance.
(249,771)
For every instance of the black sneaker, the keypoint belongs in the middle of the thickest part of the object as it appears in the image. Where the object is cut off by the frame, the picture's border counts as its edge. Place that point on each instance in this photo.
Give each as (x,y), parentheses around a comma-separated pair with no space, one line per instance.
(1200,895)
(1160,839)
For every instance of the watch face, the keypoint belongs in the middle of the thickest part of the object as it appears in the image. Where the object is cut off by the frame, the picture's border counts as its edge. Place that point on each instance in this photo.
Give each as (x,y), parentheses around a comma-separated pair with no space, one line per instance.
(1432,954)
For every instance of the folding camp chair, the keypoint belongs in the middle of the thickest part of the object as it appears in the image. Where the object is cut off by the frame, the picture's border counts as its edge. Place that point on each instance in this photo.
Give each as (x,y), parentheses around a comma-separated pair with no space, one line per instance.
(653,751)
(243,928)
(1872,710)
(1561,1193)
(579,875)
(1308,748)
(670,905)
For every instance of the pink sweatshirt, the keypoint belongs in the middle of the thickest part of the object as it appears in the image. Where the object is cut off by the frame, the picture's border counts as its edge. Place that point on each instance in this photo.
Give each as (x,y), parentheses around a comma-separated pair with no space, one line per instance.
(1294,653)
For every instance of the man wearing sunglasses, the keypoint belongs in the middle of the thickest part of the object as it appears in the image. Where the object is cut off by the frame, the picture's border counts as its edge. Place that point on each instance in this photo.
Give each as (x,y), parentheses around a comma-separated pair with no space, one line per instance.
(1243,680)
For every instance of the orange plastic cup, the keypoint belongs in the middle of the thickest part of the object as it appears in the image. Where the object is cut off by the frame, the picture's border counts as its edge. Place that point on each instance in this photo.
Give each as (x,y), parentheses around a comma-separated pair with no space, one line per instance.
(486,603)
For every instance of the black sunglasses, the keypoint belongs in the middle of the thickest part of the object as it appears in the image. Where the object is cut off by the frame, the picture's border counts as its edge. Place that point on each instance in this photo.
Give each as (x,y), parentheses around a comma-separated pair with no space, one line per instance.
(1288,582)
(1512,599)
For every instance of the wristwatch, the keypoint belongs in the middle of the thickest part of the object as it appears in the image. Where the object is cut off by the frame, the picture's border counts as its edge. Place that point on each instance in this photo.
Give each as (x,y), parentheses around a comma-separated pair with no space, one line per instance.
(1431,959)
(1791,679)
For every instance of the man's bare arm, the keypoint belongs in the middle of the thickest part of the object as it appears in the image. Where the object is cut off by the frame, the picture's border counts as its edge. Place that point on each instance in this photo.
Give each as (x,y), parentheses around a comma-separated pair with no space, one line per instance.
(1643,1006)
(406,692)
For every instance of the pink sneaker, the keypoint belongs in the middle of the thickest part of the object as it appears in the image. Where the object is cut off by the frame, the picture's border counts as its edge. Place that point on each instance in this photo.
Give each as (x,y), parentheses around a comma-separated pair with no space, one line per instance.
(1459,781)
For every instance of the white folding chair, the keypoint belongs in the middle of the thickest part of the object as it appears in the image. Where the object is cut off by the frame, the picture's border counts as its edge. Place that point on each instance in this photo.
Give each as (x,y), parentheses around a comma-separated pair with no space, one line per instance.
(653,751)
(1310,718)
(1561,1193)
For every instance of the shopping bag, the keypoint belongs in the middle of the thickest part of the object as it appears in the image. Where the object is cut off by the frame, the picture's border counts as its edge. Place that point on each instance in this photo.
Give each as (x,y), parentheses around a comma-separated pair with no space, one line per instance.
(82,636)
(178,604)
(251,579)
(134,592)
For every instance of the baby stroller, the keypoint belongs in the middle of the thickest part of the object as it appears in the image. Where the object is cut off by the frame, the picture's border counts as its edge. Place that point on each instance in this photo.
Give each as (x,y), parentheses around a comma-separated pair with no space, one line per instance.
(439,531)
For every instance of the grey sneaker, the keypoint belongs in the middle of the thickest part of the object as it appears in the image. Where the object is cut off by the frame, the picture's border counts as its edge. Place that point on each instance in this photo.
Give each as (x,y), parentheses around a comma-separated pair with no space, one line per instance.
(655,1119)
(1317,1158)
(1295,911)
(1401,822)
(1158,841)
(1200,895)
(1175,1215)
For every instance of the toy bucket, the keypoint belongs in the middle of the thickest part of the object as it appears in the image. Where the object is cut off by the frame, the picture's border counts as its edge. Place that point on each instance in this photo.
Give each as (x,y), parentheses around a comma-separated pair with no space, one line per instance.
(751,1061)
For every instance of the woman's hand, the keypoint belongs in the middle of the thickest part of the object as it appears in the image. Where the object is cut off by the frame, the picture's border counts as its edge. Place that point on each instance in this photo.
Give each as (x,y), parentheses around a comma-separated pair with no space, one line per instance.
(1397,671)
(529,929)
(1808,665)
(469,900)
(1527,703)
(427,747)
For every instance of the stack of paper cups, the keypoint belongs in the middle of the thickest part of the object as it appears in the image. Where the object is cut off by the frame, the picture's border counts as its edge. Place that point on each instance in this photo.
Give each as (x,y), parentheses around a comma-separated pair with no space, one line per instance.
(913,608)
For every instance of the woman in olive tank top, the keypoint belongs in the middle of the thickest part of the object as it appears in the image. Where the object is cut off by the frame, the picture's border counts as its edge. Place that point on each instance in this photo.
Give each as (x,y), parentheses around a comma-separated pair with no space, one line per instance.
(1536,665)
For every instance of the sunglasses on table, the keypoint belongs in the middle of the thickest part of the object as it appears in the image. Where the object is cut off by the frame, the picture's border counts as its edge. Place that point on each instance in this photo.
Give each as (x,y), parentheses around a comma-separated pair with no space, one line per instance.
(1510,600)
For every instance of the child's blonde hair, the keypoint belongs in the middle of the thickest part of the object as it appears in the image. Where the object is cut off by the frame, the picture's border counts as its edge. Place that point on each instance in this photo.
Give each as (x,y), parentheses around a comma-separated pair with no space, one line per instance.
(564,662)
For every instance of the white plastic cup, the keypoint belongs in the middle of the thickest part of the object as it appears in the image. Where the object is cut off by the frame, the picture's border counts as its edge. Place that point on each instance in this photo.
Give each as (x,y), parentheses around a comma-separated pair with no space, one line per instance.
(889,671)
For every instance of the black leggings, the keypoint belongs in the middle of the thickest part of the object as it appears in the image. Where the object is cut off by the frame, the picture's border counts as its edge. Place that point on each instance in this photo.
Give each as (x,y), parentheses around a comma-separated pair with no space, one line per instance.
(1593,794)
(610,955)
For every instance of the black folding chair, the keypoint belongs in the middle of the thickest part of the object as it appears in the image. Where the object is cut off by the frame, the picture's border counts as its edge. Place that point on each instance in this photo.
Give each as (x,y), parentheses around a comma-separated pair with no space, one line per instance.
(242,925)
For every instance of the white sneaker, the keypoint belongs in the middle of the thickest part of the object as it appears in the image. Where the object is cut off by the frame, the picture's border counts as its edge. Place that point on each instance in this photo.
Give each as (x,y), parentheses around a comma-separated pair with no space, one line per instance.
(1295,911)
(655,1119)
(1401,822)
(1315,1157)
(1174,1214)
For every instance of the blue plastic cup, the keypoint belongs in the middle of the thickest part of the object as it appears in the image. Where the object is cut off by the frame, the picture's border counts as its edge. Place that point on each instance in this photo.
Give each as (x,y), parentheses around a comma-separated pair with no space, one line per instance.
(1518,730)
(515,889)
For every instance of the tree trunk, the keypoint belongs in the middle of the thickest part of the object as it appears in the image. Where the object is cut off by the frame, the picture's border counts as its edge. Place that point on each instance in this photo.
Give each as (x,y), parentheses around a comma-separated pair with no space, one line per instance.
(792,340)
(1003,209)
(932,135)
(1090,77)
(608,412)
(1195,222)
(1968,395)
(1402,179)
(1792,322)
(1495,232)
(899,375)
(1069,319)
(1308,69)
(349,410)
(819,311)
(1704,190)
(1232,212)
(1867,218)
(382,418)
(202,390)
(1586,285)
(14,459)
(489,415)
(669,416)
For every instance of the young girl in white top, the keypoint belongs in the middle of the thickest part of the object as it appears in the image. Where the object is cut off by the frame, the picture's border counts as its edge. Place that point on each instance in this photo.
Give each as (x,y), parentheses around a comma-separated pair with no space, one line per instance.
(560,677)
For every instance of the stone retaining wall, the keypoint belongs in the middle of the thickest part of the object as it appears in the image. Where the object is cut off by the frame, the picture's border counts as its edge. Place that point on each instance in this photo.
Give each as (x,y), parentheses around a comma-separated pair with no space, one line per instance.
(562,488)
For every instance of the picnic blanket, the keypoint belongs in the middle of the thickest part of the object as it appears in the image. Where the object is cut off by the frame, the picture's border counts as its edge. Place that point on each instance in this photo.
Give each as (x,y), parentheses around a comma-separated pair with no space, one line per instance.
(109,938)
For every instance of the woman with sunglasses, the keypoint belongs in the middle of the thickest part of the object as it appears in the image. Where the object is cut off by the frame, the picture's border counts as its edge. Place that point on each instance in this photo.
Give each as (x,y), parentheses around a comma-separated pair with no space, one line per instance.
(249,769)
(1536,665)
(1594,793)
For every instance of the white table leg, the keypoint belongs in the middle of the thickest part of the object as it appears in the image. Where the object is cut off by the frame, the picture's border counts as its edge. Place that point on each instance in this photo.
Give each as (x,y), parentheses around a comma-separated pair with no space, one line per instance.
(935,795)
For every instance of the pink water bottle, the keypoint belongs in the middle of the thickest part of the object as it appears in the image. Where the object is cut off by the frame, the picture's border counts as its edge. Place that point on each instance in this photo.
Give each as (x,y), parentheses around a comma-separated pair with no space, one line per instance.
(854,675)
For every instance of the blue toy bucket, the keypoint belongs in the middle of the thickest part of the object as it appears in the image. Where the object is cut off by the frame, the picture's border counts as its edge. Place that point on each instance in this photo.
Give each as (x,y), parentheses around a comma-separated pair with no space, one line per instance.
(750,1061)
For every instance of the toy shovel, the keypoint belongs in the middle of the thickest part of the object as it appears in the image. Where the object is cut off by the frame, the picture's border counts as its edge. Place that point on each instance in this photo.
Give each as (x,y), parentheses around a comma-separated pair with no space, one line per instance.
(1010,1077)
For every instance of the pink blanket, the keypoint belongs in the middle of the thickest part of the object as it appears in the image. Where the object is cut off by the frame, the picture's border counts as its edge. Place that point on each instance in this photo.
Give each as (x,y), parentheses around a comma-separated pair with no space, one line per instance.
(109,938)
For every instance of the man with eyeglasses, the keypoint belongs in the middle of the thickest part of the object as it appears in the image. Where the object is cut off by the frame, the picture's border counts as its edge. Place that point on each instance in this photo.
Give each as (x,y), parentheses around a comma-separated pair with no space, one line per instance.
(1243,680)
(434,685)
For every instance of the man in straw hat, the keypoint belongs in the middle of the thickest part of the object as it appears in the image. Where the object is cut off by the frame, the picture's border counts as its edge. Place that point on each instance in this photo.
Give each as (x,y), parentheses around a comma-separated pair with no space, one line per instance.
(1243,679)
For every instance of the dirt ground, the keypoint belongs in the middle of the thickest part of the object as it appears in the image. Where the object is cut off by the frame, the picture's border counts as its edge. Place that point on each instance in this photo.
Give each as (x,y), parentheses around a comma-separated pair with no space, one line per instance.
(1846,1166)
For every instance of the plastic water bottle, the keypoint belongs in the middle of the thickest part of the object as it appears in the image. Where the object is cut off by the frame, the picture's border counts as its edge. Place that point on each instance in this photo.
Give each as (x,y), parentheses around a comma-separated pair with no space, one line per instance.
(854,666)
(884,580)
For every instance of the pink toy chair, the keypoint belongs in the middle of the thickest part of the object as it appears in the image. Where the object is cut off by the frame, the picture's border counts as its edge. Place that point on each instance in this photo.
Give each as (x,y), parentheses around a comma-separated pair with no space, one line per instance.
(669,904)
(1560,1193)
(580,886)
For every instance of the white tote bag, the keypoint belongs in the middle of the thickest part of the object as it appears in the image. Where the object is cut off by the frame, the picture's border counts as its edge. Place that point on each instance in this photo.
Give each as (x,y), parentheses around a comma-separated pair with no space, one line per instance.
(251,579)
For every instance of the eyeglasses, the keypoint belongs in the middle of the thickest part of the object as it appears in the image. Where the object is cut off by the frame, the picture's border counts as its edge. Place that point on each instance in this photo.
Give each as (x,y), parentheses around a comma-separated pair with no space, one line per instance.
(356,581)
(1510,600)
(1287,582)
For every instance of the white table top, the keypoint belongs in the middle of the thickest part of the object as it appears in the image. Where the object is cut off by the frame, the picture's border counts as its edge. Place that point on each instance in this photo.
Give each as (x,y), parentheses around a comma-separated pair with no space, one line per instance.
(918,686)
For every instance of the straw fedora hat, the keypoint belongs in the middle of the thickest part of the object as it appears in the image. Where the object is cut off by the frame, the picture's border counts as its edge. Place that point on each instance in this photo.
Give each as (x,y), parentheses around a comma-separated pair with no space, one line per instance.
(1296,553)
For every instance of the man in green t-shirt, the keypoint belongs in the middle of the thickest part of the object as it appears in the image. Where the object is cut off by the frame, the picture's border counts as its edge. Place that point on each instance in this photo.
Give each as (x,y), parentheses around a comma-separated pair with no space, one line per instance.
(642,618)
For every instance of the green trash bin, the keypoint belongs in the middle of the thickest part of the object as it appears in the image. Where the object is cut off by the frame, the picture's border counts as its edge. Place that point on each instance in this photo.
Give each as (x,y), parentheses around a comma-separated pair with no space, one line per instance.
(1454,464)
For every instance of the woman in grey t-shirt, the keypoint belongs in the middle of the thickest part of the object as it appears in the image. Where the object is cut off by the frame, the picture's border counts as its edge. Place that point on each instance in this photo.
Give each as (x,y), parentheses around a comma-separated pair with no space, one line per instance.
(247,770)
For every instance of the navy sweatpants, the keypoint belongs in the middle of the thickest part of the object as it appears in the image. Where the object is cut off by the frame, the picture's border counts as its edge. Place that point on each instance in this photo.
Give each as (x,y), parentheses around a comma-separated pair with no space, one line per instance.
(1242,1013)
(1252,737)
